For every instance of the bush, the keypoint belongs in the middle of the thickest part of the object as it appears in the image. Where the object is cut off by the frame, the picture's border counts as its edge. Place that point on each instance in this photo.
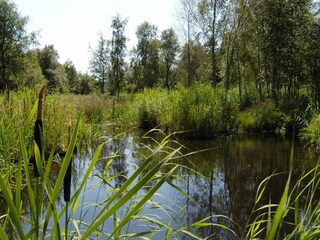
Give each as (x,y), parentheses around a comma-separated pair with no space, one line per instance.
(199,111)
(204,111)
(265,117)
(151,108)
(311,132)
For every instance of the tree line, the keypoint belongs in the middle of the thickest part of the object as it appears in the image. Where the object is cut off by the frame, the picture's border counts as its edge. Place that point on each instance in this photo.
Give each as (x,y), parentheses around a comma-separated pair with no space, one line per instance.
(267,47)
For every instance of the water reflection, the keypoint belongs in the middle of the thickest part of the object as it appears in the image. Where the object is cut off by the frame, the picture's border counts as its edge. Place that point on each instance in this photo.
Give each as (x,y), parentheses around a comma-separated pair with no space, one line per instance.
(230,170)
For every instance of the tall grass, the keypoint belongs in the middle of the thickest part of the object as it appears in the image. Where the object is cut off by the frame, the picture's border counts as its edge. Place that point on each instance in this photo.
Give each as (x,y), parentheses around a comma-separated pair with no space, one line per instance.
(45,217)
(201,111)
(295,215)
(40,217)
(265,116)
(311,132)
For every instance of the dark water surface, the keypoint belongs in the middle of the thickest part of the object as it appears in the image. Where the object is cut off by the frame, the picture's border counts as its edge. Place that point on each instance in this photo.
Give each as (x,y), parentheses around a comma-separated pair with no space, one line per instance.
(230,172)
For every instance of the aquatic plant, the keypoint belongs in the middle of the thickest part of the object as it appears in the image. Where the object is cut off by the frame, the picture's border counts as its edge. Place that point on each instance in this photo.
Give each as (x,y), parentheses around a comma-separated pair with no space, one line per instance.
(43,217)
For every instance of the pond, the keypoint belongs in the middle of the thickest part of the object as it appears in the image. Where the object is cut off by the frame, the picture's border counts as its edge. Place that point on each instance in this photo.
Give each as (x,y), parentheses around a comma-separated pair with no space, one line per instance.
(229,172)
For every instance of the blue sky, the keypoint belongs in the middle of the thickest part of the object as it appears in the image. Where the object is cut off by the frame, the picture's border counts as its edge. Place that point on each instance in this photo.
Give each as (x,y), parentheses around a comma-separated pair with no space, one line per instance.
(72,25)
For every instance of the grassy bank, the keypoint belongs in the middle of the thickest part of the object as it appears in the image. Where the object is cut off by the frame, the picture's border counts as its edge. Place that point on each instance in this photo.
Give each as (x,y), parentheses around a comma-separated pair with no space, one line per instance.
(198,112)
(202,112)
(19,113)
(32,206)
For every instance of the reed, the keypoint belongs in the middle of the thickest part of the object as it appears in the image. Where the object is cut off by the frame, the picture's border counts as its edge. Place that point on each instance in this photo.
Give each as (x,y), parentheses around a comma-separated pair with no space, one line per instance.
(295,215)
(44,217)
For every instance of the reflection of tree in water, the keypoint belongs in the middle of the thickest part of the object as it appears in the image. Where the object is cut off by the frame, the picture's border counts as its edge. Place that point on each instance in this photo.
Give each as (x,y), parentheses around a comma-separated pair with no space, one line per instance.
(210,196)
(120,149)
(249,162)
(232,173)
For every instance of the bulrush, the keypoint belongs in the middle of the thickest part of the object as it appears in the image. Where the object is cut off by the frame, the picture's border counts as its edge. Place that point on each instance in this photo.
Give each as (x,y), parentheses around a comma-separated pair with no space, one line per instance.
(67,177)
(38,129)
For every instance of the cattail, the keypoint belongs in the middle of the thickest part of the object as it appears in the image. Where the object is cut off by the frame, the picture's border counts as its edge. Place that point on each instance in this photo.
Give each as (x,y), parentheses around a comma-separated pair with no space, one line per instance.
(67,177)
(38,129)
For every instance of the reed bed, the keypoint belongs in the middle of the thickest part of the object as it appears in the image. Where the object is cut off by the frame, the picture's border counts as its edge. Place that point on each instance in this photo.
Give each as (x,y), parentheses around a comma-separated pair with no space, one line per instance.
(32,208)
(31,198)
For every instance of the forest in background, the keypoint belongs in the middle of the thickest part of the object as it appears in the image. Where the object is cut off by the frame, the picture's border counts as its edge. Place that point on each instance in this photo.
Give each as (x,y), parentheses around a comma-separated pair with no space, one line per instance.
(238,66)
(256,51)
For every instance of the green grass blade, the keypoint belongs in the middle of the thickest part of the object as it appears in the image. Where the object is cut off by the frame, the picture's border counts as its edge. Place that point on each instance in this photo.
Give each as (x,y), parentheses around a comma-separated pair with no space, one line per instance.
(54,195)
(94,160)
(27,175)
(3,235)
(38,159)
(18,184)
(138,206)
(14,215)
(280,212)
(133,177)
(32,113)
(125,198)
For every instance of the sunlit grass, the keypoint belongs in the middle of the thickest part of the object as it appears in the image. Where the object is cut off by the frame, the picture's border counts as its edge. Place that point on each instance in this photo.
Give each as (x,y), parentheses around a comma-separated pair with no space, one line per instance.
(30,203)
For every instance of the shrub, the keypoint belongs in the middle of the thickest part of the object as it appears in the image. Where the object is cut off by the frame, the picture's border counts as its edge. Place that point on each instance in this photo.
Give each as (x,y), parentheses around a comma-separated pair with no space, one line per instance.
(151,108)
(265,117)
(311,132)
(200,111)
(205,111)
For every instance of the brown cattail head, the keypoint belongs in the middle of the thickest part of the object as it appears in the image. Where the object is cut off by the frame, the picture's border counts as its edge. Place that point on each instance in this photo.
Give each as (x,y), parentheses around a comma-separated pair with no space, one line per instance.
(41,95)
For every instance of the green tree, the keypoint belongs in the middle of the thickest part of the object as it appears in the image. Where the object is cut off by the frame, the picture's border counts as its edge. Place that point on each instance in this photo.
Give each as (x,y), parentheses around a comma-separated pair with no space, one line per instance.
(313,53)
(209,18)
(100,62)
(186,20)
(134,71)
(85,85)
(52,70)
(14,41)
(240,53)
(193,64)
(118,53)
(31,72)
(148,54)
(169,51)
(72,76)
(283,26)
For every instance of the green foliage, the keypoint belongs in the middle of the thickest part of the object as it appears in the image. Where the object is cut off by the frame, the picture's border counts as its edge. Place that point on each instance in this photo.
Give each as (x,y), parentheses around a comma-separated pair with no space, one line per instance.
(152,108)
(72,76)
(204,111)
(200,111)
(100,62)
(31,74)
(169,51)
(311,132)
(13,42)
(117,53)
(52,70)
(193,65)
(265,117)
(147,55)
